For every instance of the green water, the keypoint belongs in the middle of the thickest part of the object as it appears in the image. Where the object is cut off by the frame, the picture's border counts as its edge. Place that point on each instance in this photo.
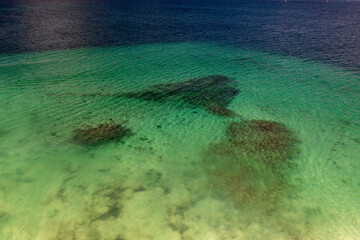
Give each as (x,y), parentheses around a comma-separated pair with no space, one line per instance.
(153,185)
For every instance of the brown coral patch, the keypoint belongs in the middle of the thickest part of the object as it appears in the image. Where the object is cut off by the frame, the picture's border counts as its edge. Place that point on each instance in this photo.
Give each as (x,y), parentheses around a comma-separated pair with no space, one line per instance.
(250,167)
(271,139)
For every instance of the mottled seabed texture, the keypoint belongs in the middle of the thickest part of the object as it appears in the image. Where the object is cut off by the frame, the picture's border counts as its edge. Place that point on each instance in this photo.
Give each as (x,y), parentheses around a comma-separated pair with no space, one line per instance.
(175,139)
(183,172)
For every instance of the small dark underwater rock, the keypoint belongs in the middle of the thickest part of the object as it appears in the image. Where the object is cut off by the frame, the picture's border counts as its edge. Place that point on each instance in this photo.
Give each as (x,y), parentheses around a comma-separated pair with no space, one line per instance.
(100,134)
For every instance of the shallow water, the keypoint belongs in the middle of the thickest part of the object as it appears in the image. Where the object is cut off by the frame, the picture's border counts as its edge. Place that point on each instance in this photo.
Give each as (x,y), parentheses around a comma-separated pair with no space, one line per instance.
(154,184)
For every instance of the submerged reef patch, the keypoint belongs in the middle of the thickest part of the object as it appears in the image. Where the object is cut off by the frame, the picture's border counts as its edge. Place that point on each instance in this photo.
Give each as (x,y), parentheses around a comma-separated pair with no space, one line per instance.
(2,133)
(272,140)
(100,134)
(3,217)
(213,93)
(250,166)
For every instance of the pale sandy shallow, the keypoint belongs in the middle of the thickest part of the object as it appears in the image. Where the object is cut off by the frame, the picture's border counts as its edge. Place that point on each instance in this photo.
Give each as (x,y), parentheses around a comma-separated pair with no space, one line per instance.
(153,185)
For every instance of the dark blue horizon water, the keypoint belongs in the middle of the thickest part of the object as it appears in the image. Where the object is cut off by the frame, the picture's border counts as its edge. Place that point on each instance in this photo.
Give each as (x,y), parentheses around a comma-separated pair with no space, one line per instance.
(326,32)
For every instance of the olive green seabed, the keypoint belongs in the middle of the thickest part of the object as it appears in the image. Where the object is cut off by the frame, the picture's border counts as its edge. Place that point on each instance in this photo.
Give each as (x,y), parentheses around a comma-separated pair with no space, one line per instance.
(183,172)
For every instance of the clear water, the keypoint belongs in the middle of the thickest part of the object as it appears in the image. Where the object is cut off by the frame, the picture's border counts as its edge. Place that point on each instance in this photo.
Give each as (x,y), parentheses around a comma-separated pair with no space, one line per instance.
(153,185)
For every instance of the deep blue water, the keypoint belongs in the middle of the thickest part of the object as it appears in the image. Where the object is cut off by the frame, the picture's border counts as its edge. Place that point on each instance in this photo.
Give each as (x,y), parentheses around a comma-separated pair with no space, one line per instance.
(328,32)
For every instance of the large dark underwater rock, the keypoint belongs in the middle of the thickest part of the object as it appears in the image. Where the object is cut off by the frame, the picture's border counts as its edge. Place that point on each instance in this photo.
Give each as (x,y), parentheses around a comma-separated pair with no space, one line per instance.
(213,93)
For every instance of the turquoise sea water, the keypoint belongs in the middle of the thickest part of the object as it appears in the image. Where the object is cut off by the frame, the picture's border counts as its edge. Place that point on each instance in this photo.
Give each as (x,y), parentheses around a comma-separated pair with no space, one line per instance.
(154,184)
